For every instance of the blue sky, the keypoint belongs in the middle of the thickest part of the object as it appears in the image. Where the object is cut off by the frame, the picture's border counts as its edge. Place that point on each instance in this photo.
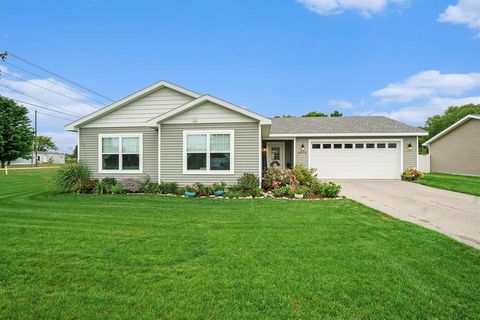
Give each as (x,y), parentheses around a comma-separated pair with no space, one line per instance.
(404,59)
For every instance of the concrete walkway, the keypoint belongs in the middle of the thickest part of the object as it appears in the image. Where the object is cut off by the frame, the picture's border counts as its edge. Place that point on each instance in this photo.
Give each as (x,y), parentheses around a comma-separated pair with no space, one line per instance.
(454,214)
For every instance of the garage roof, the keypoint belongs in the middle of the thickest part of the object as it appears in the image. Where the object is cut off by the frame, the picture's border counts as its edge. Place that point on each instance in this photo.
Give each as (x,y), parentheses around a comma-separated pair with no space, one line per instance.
(341,126)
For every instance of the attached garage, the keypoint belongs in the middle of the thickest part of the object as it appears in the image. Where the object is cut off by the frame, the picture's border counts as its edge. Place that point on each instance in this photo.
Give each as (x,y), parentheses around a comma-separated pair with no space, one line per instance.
(356,159)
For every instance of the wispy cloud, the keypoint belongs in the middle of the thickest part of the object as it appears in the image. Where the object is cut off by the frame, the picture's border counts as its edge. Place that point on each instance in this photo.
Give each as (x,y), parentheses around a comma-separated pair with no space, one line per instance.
(428,84)
(340,104)
(466,12)
(364,7)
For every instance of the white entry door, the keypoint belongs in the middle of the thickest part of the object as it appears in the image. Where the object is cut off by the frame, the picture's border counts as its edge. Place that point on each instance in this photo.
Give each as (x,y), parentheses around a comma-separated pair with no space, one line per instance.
(356,159)
(276,154)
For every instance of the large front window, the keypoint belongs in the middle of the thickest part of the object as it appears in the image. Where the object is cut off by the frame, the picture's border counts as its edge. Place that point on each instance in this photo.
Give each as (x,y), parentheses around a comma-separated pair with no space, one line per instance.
(208,152)
(120,153)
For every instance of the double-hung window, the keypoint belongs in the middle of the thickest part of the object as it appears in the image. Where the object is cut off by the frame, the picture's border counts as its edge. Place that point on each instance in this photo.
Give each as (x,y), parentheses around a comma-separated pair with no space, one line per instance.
(120,153)
(208,152)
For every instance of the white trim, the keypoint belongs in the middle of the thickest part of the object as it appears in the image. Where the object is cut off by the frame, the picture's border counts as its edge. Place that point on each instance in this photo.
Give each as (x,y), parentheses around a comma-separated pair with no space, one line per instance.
(202,99)
(311,141)
(260,155)
(321,135)
(120,136)
(208,133)
(294,152)
(453,126)
(78,145)
(115,105)
(416,165)
(159,153)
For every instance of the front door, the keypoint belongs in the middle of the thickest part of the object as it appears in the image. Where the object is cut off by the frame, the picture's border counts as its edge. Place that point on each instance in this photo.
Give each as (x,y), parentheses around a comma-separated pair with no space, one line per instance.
(276,154)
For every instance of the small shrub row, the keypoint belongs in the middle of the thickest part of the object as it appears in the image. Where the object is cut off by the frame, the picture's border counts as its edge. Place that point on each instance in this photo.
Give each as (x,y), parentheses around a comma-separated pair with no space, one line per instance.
(412,175)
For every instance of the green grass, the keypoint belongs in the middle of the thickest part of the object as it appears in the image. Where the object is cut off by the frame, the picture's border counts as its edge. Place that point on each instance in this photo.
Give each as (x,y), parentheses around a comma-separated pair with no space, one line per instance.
(134,256)
(452,182)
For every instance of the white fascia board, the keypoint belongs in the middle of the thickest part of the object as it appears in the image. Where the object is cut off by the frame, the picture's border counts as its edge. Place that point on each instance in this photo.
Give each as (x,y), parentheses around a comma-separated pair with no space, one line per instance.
(389,134)
(189,105)
(115,105)
(453,126)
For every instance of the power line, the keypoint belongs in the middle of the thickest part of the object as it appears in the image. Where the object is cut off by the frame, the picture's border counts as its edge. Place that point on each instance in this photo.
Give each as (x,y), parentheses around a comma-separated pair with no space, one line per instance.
(57,75)
(51,115)
(49,104)
(59,84)
(37,85)
(38,106)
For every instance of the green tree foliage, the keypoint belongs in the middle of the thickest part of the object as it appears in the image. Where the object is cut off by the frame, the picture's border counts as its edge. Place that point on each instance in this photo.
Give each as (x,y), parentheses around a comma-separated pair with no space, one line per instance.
(336,113)
(16,135)
(75,152)
(438,123)
(315,114)
(45,143)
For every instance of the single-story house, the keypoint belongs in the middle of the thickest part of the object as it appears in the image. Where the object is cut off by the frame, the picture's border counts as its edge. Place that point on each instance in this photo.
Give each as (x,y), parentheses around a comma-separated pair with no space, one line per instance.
(42,157)
(170,133)
(457,148)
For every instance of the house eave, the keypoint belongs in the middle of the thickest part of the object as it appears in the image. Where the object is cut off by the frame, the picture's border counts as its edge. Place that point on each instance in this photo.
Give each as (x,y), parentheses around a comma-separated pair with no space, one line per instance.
(376,134)
(452,127)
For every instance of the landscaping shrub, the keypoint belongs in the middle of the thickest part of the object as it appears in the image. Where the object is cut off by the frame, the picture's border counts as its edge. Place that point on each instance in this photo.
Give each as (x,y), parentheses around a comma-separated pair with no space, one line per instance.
(412,174)
(132,185)
(181,191)
(102,187)
(117,188)
(280,191)
(109,181)
(330,190)
(167,187)
(247,184)
(277,177)
(73,177)
(234,194)
(305,176)
(218,186)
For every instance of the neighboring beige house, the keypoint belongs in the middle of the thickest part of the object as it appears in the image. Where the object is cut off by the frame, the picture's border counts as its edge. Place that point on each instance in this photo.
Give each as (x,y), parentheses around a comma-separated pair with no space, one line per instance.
(170,133)
(457,148)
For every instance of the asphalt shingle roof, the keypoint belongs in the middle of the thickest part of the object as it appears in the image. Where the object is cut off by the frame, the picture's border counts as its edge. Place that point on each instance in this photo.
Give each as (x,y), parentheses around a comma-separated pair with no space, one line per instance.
(355,124)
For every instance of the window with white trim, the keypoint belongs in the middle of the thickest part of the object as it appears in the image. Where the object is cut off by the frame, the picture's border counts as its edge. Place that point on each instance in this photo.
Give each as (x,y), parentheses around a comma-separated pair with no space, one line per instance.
(120,153)
(208,152)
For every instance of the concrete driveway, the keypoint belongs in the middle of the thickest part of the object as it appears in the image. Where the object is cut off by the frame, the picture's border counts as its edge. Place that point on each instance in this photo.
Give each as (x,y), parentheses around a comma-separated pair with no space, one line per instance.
(454,214)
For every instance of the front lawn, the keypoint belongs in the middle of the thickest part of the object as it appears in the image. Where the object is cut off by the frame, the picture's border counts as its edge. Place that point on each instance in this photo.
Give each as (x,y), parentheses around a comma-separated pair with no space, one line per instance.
(134,256)
(452,182)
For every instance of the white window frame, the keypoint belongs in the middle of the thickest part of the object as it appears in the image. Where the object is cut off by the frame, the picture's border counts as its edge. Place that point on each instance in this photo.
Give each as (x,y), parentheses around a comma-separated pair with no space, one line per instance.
(209,133)
(120,136)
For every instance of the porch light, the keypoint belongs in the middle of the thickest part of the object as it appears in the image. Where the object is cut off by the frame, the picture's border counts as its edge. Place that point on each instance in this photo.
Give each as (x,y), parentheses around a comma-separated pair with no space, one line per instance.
(302,147)
(410,147)
(264,149)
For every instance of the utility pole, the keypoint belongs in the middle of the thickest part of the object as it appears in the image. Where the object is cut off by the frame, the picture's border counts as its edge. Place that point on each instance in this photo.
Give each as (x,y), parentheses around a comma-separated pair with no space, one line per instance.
(35,143)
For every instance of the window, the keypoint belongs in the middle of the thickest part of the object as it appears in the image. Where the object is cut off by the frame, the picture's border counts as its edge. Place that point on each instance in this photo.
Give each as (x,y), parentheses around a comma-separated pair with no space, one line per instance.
(358,145)
(370,145)
(348,146)
(327,146)
(120,153)
(392,145)
(381,145)
(337,146)
(208,152)
(316,146)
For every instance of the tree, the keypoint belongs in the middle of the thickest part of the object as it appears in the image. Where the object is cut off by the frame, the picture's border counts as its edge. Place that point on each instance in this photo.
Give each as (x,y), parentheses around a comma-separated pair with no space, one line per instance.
(438,123)
(315,114)
(75,152)
(16,135)
(45,143)
(336,113)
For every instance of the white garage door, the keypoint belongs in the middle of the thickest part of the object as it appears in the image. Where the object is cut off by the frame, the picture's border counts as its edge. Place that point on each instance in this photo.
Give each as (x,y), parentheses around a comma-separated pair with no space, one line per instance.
(356,159)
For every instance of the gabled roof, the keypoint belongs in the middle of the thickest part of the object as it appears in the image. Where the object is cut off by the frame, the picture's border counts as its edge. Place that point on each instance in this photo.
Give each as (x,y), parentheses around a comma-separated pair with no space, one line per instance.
(341,126)
(452,127)
(120,103)
(205,98)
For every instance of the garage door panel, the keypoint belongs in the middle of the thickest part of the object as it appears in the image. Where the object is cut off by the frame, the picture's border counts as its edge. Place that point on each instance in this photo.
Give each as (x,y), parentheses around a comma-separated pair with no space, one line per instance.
(377,163)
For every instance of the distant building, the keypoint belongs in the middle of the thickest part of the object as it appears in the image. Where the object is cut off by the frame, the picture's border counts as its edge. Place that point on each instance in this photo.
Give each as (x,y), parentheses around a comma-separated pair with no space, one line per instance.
(42,157)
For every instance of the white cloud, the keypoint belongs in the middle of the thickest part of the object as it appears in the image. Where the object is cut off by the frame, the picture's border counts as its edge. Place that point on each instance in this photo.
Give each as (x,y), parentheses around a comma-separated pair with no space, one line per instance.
(416,115)
(465,12)
(341,104)
(47,125)
(365,7)
(428,84)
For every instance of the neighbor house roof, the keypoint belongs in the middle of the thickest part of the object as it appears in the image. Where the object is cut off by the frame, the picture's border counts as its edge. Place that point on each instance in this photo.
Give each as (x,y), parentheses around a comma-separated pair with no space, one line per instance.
(452,127)
(120,103)
(341,126)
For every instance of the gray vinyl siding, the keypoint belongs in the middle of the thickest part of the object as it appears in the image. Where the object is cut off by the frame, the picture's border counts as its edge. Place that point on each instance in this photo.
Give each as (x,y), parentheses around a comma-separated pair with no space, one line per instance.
(409,157)
(246,149)
(137,112)
(89,151)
